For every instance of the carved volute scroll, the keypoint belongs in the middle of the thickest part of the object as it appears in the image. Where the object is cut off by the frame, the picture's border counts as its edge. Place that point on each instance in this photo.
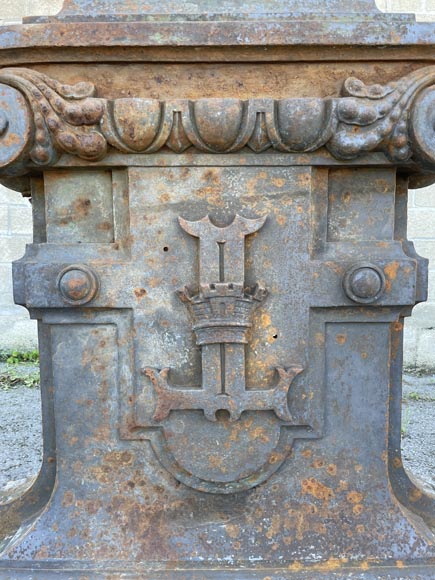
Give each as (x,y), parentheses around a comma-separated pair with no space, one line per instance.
(70,119)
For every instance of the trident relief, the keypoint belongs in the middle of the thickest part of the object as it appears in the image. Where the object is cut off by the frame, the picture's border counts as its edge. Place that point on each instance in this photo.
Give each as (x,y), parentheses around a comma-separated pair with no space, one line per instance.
(221,311)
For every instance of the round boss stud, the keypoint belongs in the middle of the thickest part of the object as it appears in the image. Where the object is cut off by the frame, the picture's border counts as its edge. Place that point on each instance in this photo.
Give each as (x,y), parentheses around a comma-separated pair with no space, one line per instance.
(78,284)
(364,283)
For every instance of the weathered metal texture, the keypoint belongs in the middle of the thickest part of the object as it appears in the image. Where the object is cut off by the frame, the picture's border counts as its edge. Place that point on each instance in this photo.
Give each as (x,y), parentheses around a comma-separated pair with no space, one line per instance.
(220,271)
(87,31)
(69,119)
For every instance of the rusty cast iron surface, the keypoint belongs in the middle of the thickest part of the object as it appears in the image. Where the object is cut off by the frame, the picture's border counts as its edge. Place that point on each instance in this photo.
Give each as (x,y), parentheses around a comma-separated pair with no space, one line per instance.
(220,272)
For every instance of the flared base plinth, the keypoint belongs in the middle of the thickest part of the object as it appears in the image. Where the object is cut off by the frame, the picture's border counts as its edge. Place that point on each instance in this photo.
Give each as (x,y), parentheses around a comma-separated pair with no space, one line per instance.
(330,570)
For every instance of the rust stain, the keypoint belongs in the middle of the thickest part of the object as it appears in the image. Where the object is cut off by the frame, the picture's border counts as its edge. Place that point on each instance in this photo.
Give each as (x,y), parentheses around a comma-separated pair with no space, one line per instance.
(260,433)
(104,227)
(279,182)
(391,270)
(212,175)
(333,564)
(140,293)
(332,469)
(354,497)
(215,461)
(317,489)
(265,320)
(68,499)
(119,459)
(330,565)
(358,509)
(295,567)
(343,485)
(155,282)
(232,530)
(83,206)
(415,494)
(274,527)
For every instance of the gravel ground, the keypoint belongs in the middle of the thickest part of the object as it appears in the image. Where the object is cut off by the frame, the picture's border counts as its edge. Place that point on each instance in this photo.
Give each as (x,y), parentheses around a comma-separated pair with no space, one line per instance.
(418,428)
(20,430)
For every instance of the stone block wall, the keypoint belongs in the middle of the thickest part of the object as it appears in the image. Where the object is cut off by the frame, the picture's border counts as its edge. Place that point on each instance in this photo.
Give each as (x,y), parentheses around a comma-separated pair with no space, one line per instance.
(17,331)
(420,328)
(423,9)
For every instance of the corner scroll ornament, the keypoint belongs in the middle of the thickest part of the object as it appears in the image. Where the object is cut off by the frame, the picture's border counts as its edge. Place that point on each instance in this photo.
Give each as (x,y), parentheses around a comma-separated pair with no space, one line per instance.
(221,314)
(41,119)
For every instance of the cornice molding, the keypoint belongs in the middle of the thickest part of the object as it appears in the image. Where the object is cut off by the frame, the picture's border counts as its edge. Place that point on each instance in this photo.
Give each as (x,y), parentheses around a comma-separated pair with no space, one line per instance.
(42,118)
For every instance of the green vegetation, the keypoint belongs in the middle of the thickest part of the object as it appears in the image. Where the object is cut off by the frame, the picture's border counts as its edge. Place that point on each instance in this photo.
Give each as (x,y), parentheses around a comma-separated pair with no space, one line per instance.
(414,396)
(19,369)
(11,379)
(16,357)
(419,397)
(405,421)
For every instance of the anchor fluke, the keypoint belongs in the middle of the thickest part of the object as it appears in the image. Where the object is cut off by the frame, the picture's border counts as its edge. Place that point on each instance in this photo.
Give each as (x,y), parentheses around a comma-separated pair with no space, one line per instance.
(175,398)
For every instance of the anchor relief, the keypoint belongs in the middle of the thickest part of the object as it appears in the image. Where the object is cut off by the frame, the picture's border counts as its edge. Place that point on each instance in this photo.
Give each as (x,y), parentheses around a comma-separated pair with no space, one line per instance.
(221,310)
